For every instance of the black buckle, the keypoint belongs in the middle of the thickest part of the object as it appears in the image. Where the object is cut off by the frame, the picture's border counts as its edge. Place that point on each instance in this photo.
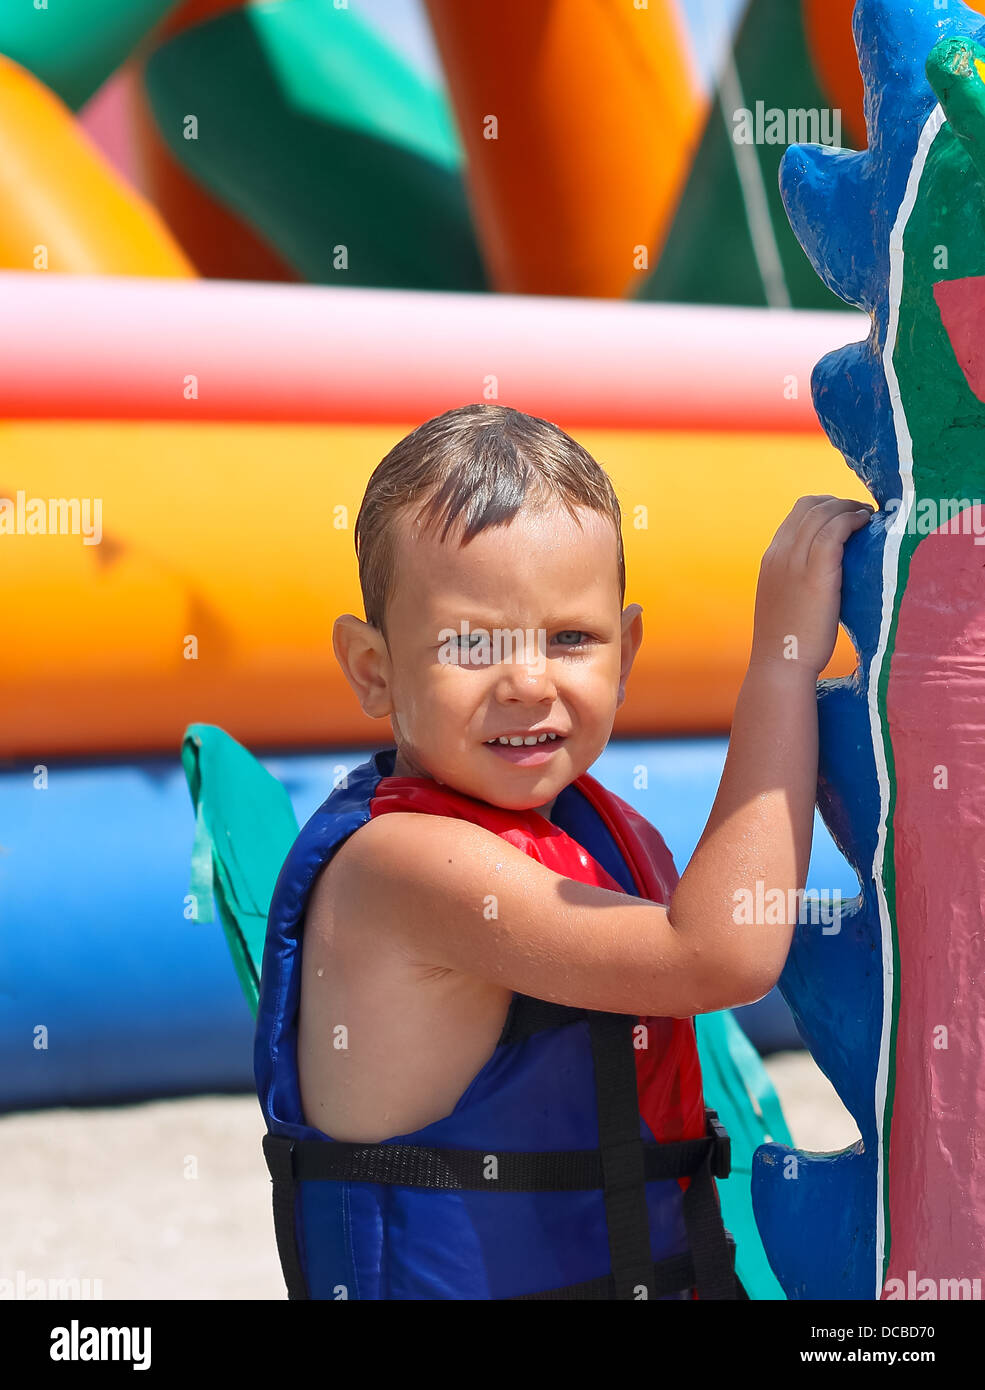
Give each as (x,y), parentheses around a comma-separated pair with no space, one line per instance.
(721,1154)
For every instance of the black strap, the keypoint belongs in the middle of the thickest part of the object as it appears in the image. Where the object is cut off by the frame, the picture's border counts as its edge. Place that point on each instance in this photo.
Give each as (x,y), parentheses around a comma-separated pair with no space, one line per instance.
(527,1016)
(715,1275)
(621,1148)
(709,1240)
(277,1152)
(292,1161)
(412,1165)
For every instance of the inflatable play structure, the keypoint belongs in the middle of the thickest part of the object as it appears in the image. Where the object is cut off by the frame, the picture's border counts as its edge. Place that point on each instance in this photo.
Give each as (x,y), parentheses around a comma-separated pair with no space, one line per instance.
(184,451)
(226,552)
(291,141)
(891,1007)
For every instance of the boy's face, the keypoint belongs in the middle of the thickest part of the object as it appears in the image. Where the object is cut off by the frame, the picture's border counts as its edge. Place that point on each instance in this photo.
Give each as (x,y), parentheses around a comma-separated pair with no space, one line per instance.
(457,674)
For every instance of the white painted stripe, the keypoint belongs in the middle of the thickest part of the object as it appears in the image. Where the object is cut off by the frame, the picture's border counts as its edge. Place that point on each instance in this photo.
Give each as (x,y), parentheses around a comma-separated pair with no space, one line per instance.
(890,584)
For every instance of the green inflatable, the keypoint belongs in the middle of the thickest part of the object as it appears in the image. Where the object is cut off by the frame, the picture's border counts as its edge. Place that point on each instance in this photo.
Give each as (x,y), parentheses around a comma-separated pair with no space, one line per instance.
(730,241)
(74,45)
(299,119)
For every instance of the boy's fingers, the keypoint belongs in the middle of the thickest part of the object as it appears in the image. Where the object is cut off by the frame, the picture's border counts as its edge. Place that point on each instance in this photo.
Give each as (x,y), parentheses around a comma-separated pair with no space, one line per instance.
(807,516)
(836,530)
(797,512)
(822,514)
(804,505)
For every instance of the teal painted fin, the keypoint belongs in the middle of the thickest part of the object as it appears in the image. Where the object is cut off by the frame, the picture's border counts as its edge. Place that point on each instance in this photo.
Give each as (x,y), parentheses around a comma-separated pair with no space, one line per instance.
(737,1085)
(244,827)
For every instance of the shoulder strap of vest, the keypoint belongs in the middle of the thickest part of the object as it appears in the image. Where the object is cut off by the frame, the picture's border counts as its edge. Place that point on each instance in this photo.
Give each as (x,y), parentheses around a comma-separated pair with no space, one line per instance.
(621,1149)
(624,1178)
(713,1252)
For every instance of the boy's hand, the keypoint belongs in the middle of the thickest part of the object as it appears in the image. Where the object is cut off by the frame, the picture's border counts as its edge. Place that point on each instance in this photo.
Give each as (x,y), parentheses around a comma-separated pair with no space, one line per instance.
(799,593)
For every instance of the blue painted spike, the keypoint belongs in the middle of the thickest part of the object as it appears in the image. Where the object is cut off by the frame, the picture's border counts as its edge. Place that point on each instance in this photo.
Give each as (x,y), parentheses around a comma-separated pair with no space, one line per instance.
(849,804)
(836,1189)
(852,401)
(819,186)
(835,1003)
(842,204)
(862,577)
(893,40)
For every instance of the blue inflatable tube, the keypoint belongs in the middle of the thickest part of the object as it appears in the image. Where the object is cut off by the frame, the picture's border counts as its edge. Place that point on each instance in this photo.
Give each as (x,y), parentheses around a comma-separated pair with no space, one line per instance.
(109,993)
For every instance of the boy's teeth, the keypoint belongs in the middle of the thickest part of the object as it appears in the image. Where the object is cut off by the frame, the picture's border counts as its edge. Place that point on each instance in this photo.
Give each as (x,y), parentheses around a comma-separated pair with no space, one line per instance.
(516,741)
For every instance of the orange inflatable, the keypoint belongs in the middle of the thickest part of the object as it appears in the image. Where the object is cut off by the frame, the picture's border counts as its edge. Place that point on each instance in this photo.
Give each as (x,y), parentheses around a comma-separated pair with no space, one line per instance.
(829,35)
(579,121)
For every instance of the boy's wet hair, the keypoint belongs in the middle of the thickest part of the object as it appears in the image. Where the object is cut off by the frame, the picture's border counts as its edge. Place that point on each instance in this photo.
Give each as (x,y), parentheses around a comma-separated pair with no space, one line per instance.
(475,466)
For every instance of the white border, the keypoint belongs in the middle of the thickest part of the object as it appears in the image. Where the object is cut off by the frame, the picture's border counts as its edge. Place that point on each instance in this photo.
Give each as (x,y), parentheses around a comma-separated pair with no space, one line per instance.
(890,583)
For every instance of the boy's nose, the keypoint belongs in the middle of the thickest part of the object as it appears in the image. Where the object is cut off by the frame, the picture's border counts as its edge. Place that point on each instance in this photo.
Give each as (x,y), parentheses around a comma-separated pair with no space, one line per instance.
(530,681)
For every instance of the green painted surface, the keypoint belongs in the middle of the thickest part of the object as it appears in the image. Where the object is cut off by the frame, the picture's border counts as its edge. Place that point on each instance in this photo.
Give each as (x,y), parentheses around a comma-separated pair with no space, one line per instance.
(944,240)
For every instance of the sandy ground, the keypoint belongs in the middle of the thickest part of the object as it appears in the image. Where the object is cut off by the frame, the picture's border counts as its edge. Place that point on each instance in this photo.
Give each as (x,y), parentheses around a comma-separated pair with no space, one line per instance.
(171,1199)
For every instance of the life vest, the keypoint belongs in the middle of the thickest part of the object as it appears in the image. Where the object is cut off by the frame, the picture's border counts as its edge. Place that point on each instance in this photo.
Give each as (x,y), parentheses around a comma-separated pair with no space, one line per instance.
(578,1163)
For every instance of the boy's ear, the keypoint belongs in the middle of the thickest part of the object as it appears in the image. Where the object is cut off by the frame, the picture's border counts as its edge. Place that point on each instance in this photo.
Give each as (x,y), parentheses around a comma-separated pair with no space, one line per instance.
(362,653)
(632,636)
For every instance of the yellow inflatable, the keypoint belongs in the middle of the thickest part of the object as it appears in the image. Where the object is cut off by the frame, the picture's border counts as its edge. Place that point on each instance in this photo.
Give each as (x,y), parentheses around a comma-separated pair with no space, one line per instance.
(62,205)
(226,552)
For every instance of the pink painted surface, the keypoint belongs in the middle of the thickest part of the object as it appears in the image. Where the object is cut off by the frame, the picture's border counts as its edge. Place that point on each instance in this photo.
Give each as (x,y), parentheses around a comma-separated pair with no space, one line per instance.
(936,713)
(962,307)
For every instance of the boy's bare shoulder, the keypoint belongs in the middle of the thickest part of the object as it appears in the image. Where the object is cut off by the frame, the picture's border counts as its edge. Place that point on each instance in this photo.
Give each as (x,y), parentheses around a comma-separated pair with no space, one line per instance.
(390,868)
(388,837)
(386,863)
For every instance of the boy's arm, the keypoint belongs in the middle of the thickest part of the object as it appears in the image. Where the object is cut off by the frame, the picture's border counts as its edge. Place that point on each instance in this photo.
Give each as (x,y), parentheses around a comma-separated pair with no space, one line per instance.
(449,894)
(758,835)
(759,829)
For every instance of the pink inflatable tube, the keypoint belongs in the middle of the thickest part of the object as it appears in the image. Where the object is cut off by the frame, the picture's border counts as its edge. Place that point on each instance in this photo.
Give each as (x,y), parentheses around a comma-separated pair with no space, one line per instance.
(94,347)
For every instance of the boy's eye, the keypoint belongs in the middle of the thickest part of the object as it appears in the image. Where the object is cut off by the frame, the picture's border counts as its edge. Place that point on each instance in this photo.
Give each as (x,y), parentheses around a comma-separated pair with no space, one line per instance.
(473,647)
(477,645)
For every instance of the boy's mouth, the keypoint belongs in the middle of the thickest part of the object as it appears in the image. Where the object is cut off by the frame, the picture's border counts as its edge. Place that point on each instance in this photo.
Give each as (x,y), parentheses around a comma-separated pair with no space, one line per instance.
(527,740)
(525,750)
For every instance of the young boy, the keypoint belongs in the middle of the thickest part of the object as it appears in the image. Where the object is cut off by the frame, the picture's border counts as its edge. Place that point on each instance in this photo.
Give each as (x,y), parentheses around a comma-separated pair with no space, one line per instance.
(429,917)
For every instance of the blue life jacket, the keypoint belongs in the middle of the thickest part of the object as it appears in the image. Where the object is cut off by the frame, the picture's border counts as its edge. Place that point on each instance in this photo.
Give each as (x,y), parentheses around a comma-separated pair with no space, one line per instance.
(546,1181)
